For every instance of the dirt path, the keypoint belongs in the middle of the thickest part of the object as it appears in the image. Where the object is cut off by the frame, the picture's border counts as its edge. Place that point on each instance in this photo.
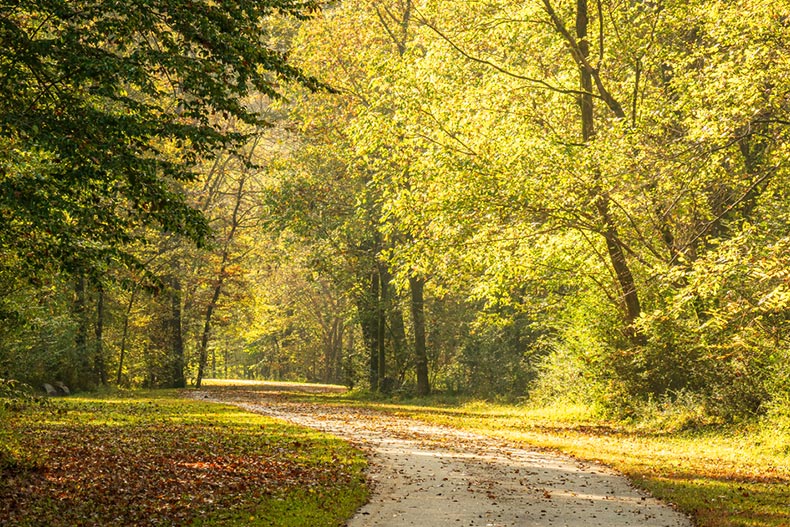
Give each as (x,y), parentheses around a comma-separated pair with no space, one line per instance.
(435,476)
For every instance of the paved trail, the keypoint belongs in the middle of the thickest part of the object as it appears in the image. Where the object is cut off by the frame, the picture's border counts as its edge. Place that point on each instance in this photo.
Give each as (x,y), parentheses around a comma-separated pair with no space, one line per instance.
(436,476)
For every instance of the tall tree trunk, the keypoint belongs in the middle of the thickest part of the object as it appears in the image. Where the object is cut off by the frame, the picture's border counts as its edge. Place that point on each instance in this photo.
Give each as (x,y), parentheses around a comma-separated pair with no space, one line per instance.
(234,224)
(370,329)
(613,245)
(399,344)
(177,378)
(204,338)
(341,331)
(397,328)
(333,350)
(349,364)
(99,366)
(381,326)
(621,269)
(213,362)
(81,336)
(586,81)
(125,336)
(417,286)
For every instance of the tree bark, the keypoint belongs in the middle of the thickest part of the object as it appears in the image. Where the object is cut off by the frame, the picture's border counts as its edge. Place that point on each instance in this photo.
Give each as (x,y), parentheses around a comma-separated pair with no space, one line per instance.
(234,224)
(381,325)
(621,269)
(99,366)
(400,348)
(586,82)
(204,338)
(125,336)
(370,330)
(417,286)
(340,330)
(81,336)
(614,247)
(177,379)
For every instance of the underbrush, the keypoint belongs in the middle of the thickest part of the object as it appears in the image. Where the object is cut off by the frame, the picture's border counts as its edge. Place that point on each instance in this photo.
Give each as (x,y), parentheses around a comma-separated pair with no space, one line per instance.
(154,458)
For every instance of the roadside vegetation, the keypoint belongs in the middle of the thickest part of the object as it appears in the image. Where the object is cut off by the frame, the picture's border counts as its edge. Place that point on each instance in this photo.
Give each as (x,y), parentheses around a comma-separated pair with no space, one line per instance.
(721,475)
(155,458)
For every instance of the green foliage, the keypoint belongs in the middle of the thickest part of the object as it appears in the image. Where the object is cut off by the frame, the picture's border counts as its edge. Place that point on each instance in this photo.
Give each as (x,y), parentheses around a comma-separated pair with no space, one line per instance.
(628,255)
(37,337)
(16,397)
(106,108)
(728,324)
(458,151)
(109,112)
(498,356)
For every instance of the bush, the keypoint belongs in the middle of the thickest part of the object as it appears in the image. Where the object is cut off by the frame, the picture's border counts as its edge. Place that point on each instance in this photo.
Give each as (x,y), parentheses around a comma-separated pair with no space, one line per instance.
(15,397)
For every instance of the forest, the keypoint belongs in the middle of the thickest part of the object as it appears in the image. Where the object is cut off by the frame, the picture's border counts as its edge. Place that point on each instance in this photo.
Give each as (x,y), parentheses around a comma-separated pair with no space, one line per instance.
(554,201)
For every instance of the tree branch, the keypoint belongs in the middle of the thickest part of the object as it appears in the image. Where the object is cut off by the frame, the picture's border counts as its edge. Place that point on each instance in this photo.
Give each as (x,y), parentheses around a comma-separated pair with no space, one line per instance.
(719,217)
(583,62)
(485,62)
(386,26)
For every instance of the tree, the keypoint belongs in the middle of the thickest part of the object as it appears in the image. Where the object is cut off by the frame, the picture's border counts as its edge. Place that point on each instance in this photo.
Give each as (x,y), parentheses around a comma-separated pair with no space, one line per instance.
(378,156)
(625,139)
(107,106)
(107,110)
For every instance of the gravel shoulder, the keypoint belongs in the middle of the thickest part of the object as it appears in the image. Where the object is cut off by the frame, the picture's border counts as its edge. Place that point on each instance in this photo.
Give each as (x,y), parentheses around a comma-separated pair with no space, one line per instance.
(438,476)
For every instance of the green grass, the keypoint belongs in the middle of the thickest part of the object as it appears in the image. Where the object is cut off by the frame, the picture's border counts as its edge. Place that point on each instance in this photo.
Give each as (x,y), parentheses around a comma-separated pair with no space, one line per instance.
(158,459)
(721,476)
(298,508)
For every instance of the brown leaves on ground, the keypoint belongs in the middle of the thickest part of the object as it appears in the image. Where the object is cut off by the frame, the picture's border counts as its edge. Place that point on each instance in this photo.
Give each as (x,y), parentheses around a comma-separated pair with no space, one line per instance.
(166,463)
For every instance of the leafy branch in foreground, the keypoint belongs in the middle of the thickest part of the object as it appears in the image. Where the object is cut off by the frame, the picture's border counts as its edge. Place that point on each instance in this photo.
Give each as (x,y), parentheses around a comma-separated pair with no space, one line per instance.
(106,108)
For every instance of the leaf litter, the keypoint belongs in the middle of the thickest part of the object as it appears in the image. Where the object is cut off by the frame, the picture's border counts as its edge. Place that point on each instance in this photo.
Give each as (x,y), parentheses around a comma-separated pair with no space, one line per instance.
(168,463)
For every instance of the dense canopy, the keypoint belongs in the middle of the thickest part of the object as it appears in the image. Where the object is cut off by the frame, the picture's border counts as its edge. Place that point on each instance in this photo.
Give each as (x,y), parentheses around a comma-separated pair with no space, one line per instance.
(563,200)
(107,107)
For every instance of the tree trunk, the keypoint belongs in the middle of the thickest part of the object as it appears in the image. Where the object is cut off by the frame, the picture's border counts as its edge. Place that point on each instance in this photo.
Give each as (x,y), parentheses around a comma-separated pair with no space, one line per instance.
(614,247)
(381,326)
(203,357)
(125,336)
(81,336)
(417,286)
(333,351)
(177,378)
(213,363)
(399,342)
(234,224)
(99,366)
(341,331)
(620,265)
(397,328)
(586,82)
(370,328)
